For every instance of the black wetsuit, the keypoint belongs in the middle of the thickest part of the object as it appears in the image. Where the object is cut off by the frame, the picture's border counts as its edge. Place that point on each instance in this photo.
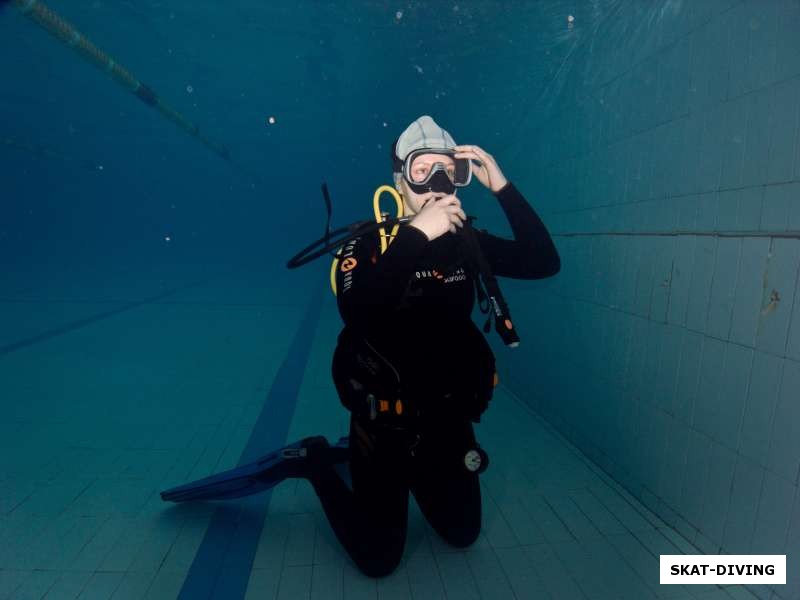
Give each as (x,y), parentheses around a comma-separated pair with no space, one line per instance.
(412,307)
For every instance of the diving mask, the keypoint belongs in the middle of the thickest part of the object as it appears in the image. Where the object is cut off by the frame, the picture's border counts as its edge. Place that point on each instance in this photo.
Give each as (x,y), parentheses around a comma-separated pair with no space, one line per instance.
(425,173)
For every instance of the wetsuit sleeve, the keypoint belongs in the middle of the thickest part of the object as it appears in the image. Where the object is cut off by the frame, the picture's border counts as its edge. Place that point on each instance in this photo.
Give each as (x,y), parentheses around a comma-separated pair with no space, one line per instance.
(368,282)
(532,253)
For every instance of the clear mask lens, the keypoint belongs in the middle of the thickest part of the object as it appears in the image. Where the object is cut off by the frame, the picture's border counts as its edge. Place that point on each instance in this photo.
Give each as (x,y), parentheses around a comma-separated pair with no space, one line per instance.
(422,165)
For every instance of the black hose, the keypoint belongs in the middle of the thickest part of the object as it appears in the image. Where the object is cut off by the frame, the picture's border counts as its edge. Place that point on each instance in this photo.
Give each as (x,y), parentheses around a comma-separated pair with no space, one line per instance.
(332,239)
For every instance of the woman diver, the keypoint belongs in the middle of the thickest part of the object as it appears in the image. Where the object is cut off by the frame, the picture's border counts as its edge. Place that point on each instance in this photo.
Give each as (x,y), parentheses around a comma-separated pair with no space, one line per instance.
(408,334)
(410,364)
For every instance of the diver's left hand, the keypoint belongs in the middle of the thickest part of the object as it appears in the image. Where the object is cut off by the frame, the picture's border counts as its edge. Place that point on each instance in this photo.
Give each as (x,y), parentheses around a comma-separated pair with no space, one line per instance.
(488,173)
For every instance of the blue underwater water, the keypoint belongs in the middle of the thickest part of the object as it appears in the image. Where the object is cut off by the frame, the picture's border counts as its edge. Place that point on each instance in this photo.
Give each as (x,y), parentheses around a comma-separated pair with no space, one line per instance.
(162,160)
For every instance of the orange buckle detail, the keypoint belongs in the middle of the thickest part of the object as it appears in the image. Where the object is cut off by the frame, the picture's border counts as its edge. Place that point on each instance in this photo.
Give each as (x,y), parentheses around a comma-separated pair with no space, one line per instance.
(384,405)
(398,407)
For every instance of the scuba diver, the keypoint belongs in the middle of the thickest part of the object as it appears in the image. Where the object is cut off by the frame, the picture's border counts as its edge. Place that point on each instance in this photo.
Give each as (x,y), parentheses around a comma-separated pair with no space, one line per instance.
(410,365)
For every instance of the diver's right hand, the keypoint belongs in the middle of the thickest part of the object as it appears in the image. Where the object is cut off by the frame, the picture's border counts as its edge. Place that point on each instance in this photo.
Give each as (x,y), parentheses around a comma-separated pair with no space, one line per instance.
(439,216)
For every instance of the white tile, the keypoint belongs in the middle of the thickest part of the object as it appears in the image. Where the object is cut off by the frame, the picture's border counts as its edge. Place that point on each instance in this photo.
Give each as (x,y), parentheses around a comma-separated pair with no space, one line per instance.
(733,145)
(668,361)
(757,144)
(744,496)
(489,575)
(717,496)
(694,492)
(749,290)
(688,375)
(700,287)
(774,513)
(674,461)
(784,129)
(762,396)
(733,395)
(783,455)
(723,287)
(707,401)
(780,284)
(681,279)
(712,149)
(457,577)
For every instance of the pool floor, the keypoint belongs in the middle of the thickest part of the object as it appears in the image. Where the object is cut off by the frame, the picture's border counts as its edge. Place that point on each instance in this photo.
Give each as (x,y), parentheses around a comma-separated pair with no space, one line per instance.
(117,384)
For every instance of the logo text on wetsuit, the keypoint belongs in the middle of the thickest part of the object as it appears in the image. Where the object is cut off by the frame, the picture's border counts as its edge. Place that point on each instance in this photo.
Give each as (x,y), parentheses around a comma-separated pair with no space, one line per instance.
(457,275)
(348,264)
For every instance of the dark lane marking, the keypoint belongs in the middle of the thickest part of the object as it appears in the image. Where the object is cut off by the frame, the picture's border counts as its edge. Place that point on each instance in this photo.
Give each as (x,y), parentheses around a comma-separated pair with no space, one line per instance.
(224,560)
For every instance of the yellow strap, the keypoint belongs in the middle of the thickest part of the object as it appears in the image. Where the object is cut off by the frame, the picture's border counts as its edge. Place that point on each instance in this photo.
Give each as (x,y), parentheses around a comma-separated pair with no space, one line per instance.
(379,218)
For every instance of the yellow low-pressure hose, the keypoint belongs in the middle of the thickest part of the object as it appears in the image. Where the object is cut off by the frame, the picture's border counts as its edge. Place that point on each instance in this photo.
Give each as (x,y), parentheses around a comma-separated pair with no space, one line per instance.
(40,14)
(380,217)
